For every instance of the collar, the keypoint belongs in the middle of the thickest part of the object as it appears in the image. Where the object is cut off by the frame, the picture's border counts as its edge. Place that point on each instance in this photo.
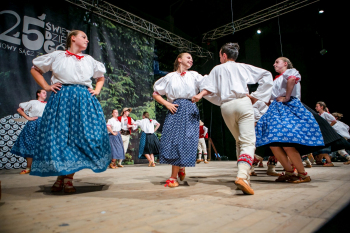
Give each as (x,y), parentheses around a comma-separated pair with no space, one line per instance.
(279,75)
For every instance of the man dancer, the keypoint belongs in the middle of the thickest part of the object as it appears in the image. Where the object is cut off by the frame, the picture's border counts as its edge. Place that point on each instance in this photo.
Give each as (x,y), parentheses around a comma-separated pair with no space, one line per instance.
(226,86)
(127,124)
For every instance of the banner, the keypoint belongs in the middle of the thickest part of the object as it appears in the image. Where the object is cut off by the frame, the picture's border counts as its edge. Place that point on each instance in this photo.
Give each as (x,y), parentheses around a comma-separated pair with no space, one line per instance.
(28,30)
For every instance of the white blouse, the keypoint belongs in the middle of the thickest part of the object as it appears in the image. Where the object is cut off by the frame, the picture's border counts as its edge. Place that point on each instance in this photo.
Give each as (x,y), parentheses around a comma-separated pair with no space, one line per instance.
(67,69)
(124,124)
(342,129)
(229,80)
(35,108)
(328,117)
(175,86)
(205,129)
(114,124)
(280,84)
(260,109)
(147,125)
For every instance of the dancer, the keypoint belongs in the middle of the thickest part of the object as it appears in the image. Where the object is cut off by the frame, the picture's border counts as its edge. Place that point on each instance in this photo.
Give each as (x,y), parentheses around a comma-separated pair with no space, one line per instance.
(150,146)
(115,140)
(321,109)
(26,141)
(202,147)
(226,86)
(73,133)
(178,145)
(343,130)
(288,124)
(126,129)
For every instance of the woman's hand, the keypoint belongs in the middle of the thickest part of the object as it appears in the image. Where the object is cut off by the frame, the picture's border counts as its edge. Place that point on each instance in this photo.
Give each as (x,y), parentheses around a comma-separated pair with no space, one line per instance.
(54,87)
(115,133)
(282,99)
(93,92)
(197,98)
(32,118)
(172,107)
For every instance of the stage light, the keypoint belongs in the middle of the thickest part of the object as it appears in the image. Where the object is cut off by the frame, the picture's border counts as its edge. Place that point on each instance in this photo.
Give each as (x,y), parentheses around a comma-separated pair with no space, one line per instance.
(258,31)
(321,11)
(323,52)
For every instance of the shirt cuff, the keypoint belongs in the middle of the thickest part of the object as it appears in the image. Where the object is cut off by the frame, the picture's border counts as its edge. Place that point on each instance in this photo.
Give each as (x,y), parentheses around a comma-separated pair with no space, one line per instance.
(296,79)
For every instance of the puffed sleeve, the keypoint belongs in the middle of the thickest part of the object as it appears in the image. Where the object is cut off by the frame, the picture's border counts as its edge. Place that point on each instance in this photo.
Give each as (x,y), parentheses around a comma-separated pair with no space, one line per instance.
(292,73)
(26,106)
(329,117)
(198,78)
(109,122)
(160,86)
(263,78)
(137,123)
(154,122)
(99,69)
(211,83)
(44,62)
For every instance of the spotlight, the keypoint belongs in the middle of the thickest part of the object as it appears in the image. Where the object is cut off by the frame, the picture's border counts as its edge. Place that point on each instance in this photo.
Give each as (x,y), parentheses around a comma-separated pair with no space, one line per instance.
(258,31)
(321,11)
(323,52)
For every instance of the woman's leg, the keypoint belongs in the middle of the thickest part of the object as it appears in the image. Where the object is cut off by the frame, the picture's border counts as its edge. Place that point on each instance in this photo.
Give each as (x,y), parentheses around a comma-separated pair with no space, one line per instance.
(328,159)
(29,162)
(281,156)
(174,171)
(295,158)
(152,157)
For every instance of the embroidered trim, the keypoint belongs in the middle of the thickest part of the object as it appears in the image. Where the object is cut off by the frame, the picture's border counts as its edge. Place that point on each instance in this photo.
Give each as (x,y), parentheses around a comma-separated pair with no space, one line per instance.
(245,158)
(156,93)
(296,79)
(72,54)
(37,69)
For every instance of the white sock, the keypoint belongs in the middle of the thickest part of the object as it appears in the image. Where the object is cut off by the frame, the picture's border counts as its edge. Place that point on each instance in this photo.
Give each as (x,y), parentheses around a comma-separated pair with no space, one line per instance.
(205,157)
(252,169)
(347,157)
(307,161)
(200,156)
(271,168)
(243,171)
(120,161)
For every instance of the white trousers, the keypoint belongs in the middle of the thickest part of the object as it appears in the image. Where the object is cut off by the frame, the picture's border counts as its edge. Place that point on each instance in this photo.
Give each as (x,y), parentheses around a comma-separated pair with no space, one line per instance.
(202,146)
(238,115)
(126,139)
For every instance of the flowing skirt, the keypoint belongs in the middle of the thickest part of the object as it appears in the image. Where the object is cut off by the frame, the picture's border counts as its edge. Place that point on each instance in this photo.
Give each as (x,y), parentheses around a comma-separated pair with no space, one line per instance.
(72,135)
(149,144)
(117,147)
(178,145)
(27,140)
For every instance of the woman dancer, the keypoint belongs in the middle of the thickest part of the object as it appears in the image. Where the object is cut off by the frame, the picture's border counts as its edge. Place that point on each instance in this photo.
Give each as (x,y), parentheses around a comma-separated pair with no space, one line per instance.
(179,141)
(26,141)
(115,140)
(73,133)
(151,145)
(288,124)
(343,130)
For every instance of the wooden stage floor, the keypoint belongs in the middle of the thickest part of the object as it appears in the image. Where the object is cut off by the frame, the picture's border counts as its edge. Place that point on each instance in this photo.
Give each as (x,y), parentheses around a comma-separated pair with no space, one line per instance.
(134,199)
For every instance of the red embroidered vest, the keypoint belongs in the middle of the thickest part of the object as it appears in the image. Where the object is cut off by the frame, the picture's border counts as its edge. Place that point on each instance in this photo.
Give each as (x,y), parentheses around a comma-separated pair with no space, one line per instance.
(129,121)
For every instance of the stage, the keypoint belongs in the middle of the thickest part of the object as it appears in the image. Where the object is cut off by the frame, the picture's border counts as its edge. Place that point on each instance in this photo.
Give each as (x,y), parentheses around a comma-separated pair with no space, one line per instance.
(134,199)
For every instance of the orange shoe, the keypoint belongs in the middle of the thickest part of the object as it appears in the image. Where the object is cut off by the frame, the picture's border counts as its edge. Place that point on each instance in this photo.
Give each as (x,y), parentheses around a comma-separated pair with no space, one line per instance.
(57,186)
(112,166)
(171,183)
(119,165)
(182,174)
(206,162)
(68,185)
(26,171)
(244,186)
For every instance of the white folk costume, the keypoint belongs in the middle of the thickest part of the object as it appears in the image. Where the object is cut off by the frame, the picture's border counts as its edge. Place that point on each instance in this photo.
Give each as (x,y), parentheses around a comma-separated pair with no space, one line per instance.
(125,130)
(73,133)
(116,142)
(27,140)
(178,145)
(339,127)
(228,84)
(202,147)
(149,142)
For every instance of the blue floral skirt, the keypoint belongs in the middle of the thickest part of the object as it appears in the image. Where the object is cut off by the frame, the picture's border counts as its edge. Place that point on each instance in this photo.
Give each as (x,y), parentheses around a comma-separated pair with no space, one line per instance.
(117,147)
(27,140)
(179,142)
(289,123)
(72,135)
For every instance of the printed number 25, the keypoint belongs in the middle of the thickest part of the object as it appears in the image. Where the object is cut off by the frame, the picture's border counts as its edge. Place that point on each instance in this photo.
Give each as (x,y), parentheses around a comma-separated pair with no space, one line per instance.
(29,44)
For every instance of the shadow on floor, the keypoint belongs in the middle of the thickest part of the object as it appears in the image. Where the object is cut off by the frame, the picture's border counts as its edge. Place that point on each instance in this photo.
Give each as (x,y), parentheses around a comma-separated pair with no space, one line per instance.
(338,223)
